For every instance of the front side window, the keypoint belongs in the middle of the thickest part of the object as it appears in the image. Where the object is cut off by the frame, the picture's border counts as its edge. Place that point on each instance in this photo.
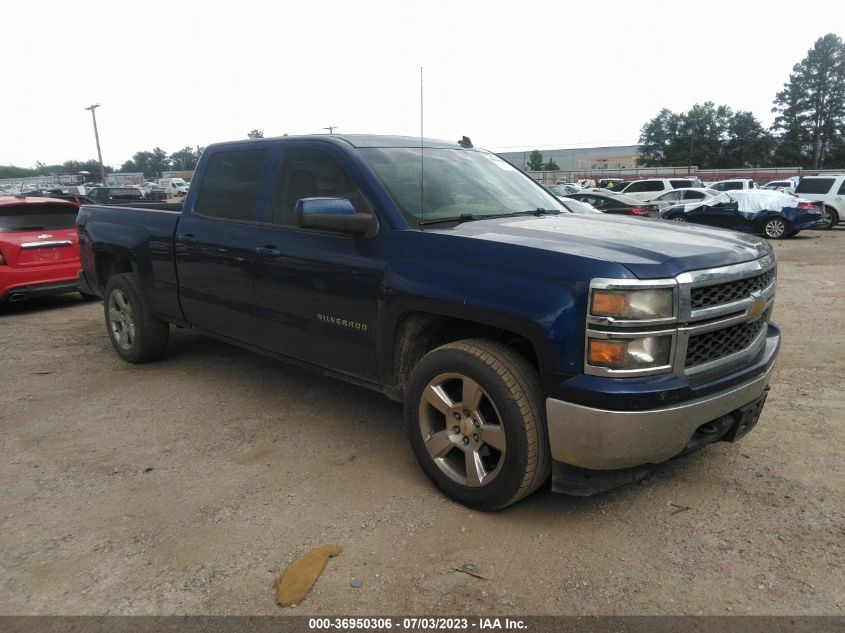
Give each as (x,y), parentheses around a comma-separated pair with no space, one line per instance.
(312,173)
(229,189)
(437,184)
(694,195)
(680,184)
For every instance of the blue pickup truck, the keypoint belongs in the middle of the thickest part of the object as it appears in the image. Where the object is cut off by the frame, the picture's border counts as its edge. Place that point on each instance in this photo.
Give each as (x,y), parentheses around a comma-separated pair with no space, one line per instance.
(524,340)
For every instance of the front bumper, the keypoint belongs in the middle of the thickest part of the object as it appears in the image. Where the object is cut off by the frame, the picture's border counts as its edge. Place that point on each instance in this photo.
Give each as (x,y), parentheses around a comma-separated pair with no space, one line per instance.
(600,439)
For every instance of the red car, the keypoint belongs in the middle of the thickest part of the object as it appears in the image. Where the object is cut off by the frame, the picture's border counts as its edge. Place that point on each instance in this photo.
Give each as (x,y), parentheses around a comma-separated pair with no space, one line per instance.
(39,248)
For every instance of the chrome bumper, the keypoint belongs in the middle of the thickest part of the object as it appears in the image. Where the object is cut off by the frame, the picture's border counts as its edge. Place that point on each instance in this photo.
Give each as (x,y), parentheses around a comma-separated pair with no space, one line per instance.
(606,440)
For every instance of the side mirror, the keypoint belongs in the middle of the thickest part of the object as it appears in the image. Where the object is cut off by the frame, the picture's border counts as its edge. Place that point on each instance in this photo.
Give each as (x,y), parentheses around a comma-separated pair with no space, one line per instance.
(336,215)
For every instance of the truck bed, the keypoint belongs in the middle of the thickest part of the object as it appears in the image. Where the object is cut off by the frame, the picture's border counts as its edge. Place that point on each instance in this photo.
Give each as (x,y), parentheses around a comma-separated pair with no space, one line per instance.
(140,232)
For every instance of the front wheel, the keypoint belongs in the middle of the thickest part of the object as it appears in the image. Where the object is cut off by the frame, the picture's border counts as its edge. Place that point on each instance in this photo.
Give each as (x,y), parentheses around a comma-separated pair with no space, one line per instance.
(475,417)
(776,228)
(137,336)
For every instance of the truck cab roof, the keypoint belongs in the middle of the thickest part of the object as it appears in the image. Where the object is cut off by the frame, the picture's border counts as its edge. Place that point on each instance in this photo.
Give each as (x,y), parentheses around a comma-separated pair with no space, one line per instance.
(356,140)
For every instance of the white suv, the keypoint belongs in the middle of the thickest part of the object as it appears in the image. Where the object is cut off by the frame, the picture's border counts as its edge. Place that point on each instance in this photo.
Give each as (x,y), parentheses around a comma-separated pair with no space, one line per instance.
(734,184)
(650,188)
(829,189)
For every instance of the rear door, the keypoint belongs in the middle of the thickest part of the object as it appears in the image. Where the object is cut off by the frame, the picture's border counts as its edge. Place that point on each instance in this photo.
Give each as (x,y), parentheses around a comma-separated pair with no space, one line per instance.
(216,242)
(35,234)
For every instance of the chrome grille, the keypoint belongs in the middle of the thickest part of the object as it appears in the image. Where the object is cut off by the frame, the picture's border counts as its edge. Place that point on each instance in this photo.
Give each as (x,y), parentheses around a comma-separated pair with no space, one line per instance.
(704,348)
(707,296)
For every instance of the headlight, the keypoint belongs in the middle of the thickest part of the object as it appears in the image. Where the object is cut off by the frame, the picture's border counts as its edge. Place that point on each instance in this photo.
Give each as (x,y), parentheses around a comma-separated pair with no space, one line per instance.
(632,353)
(656,303)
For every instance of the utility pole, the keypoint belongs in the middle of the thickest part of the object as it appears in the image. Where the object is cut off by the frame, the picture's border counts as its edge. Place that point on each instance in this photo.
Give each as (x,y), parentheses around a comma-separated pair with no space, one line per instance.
(330,129)
(689,158)
(97,138)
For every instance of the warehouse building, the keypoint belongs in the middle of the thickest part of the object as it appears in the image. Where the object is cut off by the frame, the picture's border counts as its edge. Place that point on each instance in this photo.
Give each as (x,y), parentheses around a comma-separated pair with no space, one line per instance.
(581,158)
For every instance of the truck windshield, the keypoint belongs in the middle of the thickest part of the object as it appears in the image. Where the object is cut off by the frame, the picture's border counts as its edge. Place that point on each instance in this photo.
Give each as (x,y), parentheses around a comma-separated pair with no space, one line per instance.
(452,183)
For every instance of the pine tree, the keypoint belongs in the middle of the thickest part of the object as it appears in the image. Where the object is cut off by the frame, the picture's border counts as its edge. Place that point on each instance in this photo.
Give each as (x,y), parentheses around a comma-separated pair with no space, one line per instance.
(535,161)
(811,106)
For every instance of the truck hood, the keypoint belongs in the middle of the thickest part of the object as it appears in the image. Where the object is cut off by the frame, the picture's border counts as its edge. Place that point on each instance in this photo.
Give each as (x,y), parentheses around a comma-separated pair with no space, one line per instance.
(650,249)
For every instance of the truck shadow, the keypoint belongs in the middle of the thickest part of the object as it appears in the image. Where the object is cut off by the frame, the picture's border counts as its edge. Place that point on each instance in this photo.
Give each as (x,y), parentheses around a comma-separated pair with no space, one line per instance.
(327,406)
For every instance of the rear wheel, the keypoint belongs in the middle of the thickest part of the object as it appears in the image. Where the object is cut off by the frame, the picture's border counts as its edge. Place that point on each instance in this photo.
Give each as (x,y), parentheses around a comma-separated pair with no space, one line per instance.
(137,336)
(679,218)
(776,228)
(475,417)
(830,218)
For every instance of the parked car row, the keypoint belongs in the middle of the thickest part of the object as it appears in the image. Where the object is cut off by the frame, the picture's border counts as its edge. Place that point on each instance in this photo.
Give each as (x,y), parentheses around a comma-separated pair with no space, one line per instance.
(774,214)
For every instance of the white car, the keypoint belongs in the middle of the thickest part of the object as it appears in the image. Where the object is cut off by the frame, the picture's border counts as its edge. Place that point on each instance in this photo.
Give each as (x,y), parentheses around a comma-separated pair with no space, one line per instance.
(786,186)
(650,188)
(682,196)
(829,189)
(734,184)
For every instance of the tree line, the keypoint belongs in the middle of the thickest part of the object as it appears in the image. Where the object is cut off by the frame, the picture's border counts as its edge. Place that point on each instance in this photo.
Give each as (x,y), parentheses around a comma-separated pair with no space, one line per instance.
(808,130)
(151,162)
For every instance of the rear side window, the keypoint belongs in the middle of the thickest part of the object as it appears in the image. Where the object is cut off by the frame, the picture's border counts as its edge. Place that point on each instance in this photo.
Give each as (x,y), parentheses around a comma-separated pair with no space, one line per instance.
(37,217)
(680,184)
(669,196)
(693,195)
(645,185)
(841,189)
(229,189)
(815,185)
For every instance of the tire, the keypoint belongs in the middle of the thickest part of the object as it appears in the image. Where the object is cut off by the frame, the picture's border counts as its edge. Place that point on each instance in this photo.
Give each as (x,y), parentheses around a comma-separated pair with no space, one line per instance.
(679,218)
(776,229)
(833,218)
(137,336)
(497,454)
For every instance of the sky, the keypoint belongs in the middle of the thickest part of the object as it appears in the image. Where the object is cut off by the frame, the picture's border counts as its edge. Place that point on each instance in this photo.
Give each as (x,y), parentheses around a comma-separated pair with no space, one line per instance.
(510,75)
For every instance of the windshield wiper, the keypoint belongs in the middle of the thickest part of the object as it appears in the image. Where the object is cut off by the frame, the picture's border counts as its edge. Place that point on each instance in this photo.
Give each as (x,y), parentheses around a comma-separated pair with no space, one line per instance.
(463,217)
(468,217)
(538,212)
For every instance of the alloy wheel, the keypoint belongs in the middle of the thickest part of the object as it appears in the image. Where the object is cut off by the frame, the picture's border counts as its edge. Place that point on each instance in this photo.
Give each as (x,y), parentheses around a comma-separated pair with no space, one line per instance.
(775,228)
(121,320)
(462,429)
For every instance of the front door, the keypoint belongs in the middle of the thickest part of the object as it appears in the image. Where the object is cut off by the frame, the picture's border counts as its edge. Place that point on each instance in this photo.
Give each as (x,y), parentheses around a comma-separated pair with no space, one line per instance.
(317,292)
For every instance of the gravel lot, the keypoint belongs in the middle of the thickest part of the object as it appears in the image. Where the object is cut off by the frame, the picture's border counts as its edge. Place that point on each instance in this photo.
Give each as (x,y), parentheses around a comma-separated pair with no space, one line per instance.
(185,486)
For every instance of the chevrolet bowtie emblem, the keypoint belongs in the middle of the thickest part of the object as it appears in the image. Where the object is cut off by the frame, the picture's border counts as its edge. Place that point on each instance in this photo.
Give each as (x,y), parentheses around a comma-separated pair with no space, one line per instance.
(758,308)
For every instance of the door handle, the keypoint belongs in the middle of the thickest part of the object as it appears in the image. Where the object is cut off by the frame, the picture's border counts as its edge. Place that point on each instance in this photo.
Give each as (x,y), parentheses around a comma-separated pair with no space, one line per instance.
(268,251)
(187,238)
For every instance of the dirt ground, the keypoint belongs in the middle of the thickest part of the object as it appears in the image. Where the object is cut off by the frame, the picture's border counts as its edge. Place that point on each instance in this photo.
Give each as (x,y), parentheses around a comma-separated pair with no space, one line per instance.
(185,486)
